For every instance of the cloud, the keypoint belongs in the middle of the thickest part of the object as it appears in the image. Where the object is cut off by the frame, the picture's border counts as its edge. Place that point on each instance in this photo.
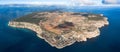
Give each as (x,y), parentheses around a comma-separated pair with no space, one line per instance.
(74,2)
(37,3)
(111,1)
(87,2)
(62,2)
(96,2)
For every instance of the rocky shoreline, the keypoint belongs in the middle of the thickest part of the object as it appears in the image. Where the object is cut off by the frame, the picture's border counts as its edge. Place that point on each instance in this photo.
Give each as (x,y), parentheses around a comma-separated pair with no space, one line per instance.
(64,37)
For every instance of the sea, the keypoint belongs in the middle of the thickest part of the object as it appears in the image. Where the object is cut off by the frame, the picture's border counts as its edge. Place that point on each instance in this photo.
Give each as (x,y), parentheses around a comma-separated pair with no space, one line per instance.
(25,40)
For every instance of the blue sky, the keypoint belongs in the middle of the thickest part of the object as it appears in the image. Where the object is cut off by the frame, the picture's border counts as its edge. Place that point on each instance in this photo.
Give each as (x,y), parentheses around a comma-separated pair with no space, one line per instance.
(83,2)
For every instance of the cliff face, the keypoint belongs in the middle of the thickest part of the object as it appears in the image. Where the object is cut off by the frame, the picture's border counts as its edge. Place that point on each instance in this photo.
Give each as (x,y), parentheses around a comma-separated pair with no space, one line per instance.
(30,26)
(61,29)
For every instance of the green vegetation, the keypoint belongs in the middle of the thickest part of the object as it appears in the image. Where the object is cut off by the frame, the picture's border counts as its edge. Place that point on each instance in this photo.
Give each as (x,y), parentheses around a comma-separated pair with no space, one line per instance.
(95,18)
(30,18)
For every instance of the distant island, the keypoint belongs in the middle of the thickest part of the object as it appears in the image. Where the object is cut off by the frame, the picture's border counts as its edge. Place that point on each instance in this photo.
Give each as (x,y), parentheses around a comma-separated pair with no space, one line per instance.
(61,29)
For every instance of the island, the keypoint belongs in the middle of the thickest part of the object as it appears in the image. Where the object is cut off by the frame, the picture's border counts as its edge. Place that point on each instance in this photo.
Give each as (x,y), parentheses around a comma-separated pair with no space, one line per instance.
(61,29)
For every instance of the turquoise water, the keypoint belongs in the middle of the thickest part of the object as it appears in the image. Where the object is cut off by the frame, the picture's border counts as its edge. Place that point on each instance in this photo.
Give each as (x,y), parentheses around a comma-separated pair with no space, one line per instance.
(24,40)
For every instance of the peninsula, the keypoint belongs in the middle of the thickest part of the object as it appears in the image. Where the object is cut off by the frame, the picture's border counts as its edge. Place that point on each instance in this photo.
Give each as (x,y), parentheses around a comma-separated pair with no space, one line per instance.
(61,29)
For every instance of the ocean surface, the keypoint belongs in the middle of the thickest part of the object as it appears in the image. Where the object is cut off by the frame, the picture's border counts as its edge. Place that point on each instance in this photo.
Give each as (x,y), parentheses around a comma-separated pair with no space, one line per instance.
(24,40)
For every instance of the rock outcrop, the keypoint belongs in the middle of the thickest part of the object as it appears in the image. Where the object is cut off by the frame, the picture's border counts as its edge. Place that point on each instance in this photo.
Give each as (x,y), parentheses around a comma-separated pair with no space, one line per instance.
(61,29)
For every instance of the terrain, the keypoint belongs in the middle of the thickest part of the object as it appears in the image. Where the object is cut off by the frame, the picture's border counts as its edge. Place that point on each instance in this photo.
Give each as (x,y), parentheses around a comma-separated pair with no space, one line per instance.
(61,29)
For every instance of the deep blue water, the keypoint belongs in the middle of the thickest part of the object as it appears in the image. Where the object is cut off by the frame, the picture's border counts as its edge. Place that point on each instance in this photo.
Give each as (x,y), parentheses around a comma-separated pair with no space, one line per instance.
(24,40)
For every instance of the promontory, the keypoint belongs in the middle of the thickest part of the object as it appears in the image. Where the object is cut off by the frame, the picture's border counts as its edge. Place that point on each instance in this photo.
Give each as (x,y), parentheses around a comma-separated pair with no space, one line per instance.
(61,29)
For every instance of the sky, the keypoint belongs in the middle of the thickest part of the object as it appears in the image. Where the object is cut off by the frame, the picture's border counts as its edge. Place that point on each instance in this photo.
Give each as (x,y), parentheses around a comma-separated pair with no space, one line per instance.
(67,2)
(111,1)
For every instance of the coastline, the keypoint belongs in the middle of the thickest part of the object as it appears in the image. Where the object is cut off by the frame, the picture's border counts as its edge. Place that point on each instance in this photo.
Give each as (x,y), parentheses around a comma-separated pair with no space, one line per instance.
(38,31)
(30,26)
(79,28)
